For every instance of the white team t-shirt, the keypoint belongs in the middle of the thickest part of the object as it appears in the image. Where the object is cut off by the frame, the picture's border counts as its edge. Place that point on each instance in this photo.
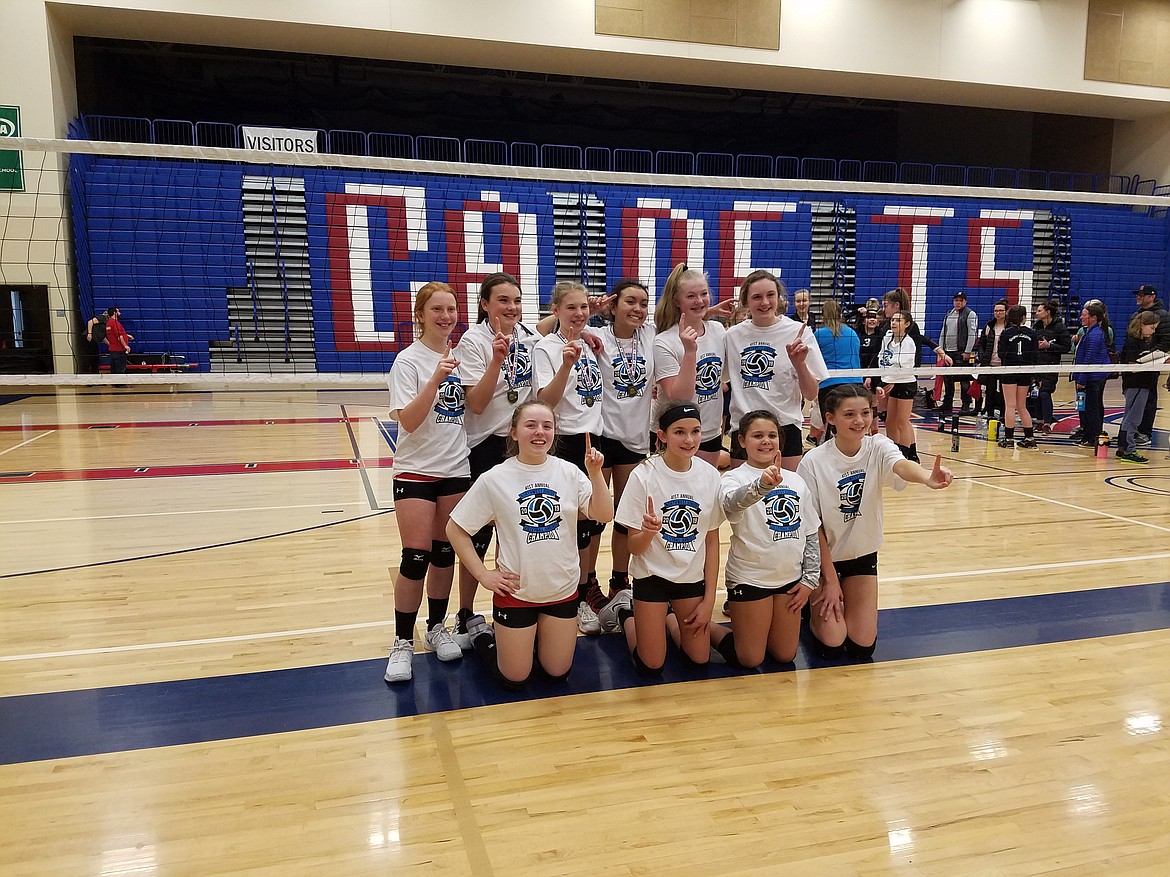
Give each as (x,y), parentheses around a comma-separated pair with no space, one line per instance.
(580,407)
(627,365)
(688,504)
(895,355)
(846,493)
(535,510)
(438,448)
(768,538)
(474,353)
(668,356)
(761,374)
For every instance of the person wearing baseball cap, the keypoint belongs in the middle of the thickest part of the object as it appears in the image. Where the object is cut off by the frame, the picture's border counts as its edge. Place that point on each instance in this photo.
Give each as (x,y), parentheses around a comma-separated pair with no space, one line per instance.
(1146,297)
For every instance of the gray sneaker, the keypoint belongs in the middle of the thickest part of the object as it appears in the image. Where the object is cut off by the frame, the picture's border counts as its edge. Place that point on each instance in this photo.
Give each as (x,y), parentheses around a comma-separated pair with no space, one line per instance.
(477,626)
(440,641)
(587,620)
(459,634)
(1142,440)
(401,664)
(608,616)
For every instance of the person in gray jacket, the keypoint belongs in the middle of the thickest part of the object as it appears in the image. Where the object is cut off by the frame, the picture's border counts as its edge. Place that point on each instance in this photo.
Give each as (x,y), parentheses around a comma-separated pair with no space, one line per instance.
(960,329)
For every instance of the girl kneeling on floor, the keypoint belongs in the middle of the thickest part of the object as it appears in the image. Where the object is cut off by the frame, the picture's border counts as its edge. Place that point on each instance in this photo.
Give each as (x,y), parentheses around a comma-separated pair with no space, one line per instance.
(535,501)
(671,508)
(774,563)
(845,477)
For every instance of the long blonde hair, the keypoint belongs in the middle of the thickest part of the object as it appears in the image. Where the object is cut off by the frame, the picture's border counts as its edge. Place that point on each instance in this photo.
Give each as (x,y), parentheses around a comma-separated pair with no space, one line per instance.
(667,313)
(831,314)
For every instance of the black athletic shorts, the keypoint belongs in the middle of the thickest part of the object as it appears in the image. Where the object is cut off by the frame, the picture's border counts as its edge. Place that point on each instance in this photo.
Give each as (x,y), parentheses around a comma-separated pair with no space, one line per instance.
(712,445)
(430,490)
(655,589)
(753,593)
(866,565)
(488,453)
(616,453)
(903,391)
(518,617)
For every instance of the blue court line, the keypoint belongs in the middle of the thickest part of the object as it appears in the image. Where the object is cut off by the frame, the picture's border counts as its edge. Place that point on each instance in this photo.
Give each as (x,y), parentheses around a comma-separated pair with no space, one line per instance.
(65,724)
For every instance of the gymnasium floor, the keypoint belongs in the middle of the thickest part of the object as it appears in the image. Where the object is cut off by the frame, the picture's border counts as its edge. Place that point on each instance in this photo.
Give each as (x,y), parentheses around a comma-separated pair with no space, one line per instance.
(195,609)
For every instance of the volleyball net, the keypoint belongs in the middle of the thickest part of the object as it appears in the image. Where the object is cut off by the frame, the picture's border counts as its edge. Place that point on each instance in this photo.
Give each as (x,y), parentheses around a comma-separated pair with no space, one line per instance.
(238,267)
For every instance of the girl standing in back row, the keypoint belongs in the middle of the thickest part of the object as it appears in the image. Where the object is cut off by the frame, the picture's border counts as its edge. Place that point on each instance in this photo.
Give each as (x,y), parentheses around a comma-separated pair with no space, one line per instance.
(771,365)
(431,474)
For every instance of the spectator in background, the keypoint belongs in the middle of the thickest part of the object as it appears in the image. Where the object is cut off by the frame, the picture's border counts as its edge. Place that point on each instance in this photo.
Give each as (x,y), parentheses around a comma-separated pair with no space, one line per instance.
(118,339)
(95,336)
(840,348)
(1054,342)
(1147,302)
(960,329)
(800,305)
(989,356)
(1017,347)
(1093,349)
(1137,348)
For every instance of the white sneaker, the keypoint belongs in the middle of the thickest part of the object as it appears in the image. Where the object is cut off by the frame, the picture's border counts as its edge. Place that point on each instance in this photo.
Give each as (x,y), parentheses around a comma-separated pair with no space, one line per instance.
(440,641)
(608,616)
(400,667)
(459,634)
(587,621)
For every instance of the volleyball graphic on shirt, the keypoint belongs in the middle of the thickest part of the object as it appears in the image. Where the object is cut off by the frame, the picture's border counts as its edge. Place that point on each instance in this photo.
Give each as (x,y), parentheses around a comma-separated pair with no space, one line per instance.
(450,401)
(540,512)
(629,375)
(782,511)
(708,377)
(588,379)
(680,523)
(852,488)
(886,359)
(518,366)
(757,366)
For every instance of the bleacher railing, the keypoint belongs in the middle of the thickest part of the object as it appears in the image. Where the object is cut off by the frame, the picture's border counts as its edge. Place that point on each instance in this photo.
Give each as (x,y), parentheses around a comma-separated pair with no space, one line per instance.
(601,158)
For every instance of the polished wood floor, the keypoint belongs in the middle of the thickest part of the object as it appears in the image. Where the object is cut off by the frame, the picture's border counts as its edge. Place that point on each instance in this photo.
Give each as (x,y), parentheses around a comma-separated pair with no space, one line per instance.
(151,549)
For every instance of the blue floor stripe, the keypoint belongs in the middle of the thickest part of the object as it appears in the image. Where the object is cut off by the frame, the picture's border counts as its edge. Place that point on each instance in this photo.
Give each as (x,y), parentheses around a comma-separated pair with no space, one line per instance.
(65,724)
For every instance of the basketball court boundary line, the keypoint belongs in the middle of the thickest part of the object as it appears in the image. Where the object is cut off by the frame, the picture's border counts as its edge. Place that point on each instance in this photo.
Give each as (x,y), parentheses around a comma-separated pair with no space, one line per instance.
(1069,505)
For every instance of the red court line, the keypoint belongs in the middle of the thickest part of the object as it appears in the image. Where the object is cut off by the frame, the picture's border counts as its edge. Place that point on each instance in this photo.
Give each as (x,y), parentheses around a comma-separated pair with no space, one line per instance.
(170,424)
(132,472)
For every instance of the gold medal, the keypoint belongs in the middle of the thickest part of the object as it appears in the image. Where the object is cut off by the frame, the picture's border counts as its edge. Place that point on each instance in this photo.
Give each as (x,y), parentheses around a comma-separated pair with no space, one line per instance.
(513,396)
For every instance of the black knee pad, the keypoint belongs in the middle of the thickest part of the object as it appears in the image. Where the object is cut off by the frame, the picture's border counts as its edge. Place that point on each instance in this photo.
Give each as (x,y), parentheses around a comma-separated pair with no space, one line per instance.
(509,685)
(726,648)
(561,677)
(585,530)
(642,668)
(414,564)
(621,528)
(442,555)
(482,540)
(691,662)
(828,653)
(863,653)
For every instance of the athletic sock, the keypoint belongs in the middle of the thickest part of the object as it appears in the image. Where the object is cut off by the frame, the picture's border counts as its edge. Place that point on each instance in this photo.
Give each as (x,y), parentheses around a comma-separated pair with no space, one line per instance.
(1009,433)
(437,610)
(1029,432)
(404,625)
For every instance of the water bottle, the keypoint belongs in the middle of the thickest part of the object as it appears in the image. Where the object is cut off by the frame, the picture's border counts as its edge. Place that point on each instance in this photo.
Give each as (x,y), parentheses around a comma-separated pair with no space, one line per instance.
(1080,400)
(955,434)
(981,427)
(1102,446)
(992,429)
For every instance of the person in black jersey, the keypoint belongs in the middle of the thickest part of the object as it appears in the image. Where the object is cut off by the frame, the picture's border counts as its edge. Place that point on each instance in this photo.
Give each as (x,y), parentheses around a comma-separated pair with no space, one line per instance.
(1017,347)
(1053,342)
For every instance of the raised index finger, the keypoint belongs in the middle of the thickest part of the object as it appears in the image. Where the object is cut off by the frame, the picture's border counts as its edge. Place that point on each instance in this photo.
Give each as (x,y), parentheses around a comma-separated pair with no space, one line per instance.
(650,506)
(588,445)
(803,326)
